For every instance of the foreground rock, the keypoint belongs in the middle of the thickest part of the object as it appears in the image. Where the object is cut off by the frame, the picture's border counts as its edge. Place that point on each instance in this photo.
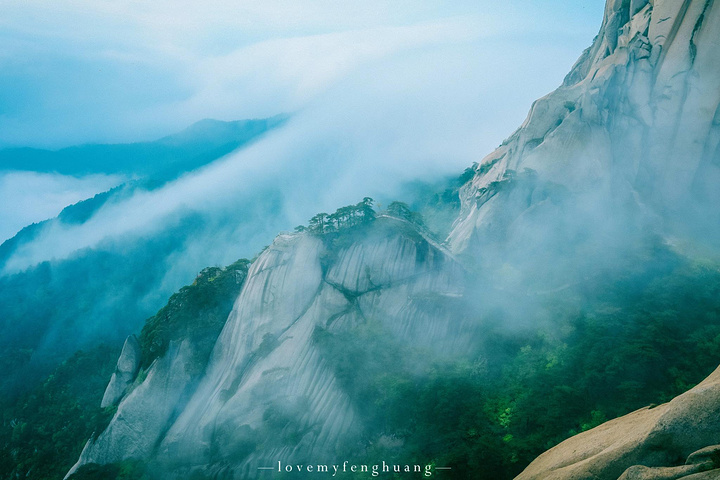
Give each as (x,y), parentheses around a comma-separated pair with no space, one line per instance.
(678,439)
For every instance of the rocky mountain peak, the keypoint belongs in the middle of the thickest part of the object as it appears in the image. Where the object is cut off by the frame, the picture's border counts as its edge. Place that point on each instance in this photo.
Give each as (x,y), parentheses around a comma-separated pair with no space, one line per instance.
(637,115)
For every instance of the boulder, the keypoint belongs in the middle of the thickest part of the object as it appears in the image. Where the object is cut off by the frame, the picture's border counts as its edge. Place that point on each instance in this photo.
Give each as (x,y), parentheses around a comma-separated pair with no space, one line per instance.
(688,427)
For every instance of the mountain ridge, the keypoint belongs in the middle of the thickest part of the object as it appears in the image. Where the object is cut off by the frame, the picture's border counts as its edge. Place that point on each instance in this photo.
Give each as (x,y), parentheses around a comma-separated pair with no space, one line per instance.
(214,136)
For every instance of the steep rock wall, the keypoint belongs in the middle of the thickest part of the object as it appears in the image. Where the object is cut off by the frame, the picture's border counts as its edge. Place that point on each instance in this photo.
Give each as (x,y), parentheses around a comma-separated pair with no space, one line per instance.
(636,119)
(267,394)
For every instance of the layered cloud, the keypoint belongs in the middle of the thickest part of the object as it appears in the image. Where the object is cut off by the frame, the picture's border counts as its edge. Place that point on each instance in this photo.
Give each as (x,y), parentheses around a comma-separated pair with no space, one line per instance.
(423,114)
(379,92)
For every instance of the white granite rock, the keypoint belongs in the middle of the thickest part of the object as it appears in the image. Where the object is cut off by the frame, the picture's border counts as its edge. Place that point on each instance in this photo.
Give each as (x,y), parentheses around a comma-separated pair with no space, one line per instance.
(125,372)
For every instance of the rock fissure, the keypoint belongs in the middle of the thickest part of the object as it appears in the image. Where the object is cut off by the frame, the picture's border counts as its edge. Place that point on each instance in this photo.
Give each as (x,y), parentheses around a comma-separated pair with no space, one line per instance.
(696,29)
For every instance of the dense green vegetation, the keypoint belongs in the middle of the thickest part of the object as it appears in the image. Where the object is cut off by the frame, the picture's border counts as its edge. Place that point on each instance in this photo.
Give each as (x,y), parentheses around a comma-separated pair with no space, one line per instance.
(612,346)
(197,312)
(639,340)
(43,432)
(49,311)
(127,470)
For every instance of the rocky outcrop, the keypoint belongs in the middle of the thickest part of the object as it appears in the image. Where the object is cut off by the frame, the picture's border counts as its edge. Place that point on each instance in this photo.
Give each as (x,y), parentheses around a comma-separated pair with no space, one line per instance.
(267,366)
(143,415)
(650,444)
(127,367)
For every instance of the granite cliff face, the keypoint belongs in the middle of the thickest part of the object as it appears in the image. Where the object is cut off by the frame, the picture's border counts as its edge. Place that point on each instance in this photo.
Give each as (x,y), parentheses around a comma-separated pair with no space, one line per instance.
(266,362)
(636,123)
(628,145)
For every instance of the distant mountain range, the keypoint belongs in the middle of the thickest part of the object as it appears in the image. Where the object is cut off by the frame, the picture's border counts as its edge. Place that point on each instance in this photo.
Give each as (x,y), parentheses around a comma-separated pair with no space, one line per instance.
(161,159)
